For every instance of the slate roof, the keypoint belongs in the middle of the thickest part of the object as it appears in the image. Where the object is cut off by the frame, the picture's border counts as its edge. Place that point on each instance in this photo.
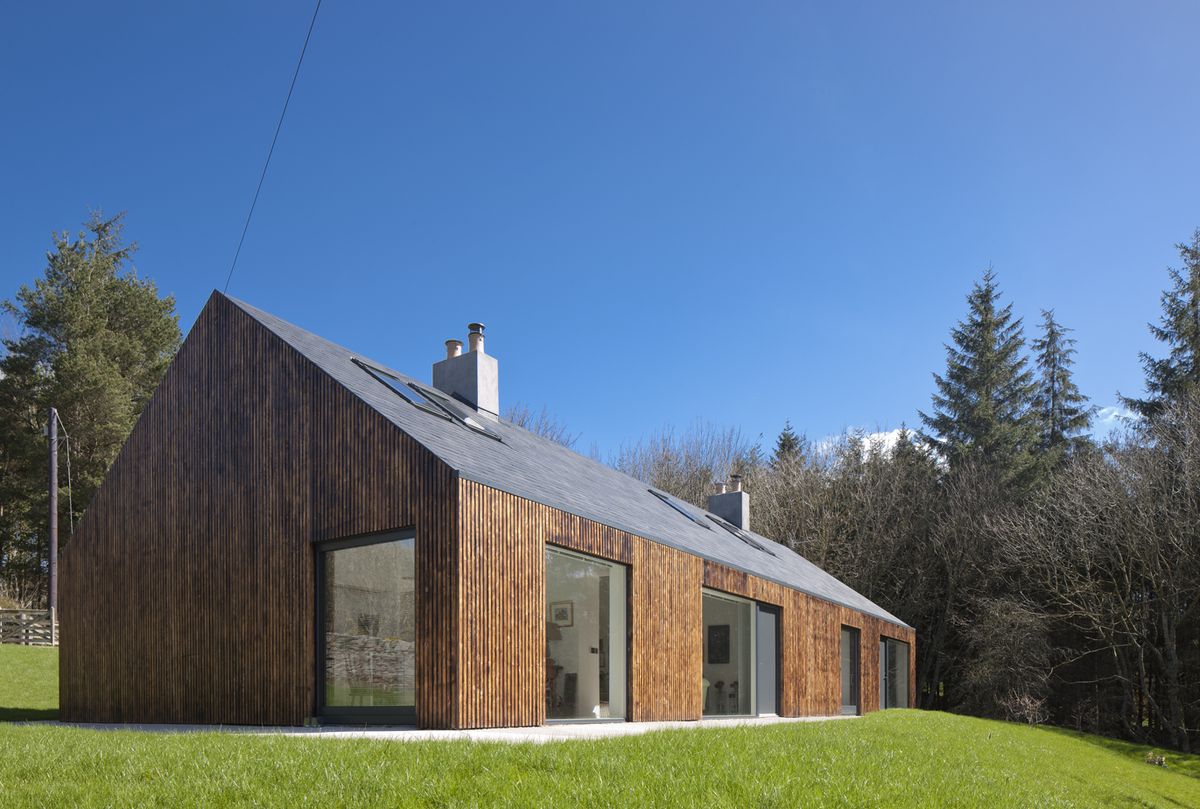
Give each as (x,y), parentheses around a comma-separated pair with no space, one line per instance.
(541,470)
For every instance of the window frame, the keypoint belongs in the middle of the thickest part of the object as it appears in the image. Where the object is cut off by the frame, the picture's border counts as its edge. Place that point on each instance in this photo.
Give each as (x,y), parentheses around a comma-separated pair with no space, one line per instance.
(854,709)
(885,654)
(628,568)
(349,714)
(753,631)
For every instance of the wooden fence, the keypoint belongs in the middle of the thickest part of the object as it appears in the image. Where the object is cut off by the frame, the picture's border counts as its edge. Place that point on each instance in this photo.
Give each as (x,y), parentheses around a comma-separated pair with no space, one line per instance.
(29,627)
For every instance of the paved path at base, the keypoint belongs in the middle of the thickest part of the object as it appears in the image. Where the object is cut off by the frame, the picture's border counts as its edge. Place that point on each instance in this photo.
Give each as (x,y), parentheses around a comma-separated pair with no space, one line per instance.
(545,733)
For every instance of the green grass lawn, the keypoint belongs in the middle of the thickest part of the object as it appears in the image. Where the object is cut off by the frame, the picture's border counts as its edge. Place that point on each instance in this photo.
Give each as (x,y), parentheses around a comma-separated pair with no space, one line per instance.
(896,758)
(28,682)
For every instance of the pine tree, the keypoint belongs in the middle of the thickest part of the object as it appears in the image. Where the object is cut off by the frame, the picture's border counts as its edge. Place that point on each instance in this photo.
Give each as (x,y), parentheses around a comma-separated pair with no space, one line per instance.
(789,446)
(1167,379)
(1063,412)
(95,341)
(982,407)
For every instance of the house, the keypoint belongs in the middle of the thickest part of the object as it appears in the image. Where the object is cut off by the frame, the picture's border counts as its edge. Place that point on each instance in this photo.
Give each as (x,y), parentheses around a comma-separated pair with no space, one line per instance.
(293,530)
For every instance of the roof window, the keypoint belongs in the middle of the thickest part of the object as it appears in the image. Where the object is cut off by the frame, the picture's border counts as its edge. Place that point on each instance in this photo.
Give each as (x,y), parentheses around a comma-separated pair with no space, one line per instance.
(429,400)
(404,390)
(742,535)
(670,501)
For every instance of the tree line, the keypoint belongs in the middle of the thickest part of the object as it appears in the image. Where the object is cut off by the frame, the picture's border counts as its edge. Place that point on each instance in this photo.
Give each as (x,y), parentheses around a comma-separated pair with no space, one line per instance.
(1051,577)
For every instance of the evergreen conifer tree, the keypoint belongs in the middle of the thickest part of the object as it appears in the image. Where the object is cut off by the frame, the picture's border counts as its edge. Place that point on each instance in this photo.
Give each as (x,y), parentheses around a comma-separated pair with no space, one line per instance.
(1063,412)
(1168,378)
(982,407)
(788,447)
(95,340)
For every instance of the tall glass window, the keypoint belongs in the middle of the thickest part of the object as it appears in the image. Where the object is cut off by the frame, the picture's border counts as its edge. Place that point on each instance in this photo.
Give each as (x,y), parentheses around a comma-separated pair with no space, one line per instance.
(850,673)
(586,640)
(728,685)
(893,673)
(368,620)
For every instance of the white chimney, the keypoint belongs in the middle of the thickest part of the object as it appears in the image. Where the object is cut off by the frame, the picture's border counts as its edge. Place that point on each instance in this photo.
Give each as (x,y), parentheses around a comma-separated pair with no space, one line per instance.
(732,506)
(472,378)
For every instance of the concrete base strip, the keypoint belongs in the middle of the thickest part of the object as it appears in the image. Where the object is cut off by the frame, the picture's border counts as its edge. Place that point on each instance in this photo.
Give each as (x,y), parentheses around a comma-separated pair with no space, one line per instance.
(544,733)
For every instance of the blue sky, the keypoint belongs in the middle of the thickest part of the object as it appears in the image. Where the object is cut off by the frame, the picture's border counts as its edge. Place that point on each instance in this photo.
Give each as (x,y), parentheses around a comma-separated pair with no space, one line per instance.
(664,212)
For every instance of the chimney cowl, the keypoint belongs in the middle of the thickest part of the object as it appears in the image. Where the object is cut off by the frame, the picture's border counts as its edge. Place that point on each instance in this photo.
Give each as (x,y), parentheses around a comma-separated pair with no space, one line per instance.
(735,482)
(475,337)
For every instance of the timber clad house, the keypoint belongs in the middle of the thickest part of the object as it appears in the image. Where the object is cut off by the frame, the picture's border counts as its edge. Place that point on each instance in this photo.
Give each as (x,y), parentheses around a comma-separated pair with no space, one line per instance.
(295,531)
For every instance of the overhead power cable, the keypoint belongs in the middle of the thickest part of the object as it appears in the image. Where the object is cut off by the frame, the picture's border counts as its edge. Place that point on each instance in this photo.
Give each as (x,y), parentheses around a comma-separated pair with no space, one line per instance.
(271,151)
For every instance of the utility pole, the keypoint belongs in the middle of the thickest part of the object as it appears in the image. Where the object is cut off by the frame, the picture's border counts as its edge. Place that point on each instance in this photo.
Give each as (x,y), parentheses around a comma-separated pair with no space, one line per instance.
(52,433)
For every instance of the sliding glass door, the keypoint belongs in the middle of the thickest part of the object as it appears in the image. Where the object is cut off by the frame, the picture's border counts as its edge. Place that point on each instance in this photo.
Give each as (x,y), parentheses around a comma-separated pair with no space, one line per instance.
(366,628)
(586,639)
(893,673)
(728,670)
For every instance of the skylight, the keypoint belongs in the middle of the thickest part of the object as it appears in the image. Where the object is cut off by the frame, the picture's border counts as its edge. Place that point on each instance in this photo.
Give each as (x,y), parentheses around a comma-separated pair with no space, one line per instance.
(742,535)
(405,391)
(429,400)
(457,410)
(671,502)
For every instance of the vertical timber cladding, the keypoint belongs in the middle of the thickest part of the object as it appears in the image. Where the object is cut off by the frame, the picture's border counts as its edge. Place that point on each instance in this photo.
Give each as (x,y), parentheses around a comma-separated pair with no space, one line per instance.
(668,633)
(188,591)
(810,640)
(502,603)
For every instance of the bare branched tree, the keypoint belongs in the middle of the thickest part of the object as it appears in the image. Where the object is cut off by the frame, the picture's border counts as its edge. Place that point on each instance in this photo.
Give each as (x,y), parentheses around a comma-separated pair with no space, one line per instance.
(541,422)
(686,463)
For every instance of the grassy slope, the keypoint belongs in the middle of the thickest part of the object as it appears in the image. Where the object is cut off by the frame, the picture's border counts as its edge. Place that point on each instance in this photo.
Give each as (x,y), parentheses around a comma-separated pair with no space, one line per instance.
(898,758)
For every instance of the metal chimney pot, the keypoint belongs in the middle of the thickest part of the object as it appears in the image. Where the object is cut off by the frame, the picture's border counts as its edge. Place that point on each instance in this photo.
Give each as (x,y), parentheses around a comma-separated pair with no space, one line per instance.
(475,337)
(453,348)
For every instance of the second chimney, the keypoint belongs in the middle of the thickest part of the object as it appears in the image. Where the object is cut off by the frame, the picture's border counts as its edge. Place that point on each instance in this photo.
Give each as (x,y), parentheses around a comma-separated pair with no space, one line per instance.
(472,378)
(733,506)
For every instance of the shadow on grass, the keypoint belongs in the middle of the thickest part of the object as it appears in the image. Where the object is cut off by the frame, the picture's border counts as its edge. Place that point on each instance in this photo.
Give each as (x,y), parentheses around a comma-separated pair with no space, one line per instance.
(28,714)
(1181,763)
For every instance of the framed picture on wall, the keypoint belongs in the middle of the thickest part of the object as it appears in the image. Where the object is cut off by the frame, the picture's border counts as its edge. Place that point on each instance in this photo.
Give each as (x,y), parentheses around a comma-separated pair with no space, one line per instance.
(718,643)
(562,613)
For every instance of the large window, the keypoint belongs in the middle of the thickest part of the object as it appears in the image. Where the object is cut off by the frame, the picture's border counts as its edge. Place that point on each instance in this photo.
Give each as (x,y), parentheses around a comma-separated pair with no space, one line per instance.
(728,685)
(893,673)
(586,640)
(367,627)
(850,672)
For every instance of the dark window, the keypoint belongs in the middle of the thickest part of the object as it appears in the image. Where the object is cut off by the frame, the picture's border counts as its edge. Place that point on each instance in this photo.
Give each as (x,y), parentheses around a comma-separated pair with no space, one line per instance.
(850,670)
(893,673)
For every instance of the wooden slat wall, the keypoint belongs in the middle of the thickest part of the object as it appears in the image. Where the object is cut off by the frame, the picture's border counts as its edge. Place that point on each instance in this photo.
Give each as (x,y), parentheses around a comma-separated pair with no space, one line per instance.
(188,591)
(503,601)
(502,589)
(810,663)
(668,637)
